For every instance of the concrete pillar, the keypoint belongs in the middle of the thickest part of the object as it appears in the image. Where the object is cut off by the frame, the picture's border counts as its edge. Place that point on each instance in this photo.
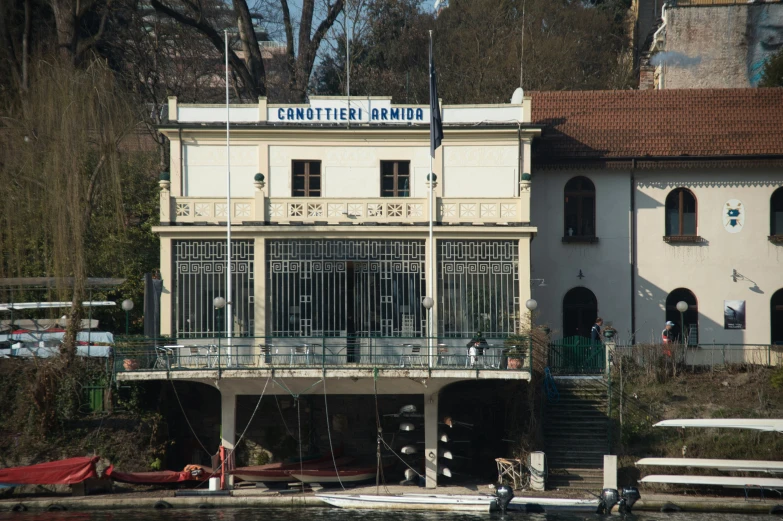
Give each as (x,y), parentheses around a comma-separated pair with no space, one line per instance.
(166,273)
(259,289)
(431,439)
(524,282)
(228,419)
(610,471)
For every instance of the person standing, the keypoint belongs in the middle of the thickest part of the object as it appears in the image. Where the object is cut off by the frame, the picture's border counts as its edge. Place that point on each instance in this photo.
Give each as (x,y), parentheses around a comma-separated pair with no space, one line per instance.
(667,337)
(595,332)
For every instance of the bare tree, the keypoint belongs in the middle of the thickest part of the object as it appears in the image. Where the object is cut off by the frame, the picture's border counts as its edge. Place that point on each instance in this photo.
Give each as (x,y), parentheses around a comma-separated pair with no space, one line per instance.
(204,18)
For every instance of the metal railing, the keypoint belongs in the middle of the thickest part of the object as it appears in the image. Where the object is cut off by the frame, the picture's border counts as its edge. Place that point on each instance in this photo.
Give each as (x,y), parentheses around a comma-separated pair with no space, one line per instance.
(322,352)
(698,3)
(704,355)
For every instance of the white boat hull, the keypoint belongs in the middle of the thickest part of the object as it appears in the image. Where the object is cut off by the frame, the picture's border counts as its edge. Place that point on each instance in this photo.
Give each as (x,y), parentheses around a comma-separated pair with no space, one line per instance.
(407,502)
(770,467)
(768,425)
(464,503)
(721,481)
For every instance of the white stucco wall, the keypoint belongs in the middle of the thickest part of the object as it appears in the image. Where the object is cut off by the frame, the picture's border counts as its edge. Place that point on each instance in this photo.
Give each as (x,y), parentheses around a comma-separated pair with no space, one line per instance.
(706,269)
(480,171)
(346,171)
(605,265)
(354,171)
(205,170)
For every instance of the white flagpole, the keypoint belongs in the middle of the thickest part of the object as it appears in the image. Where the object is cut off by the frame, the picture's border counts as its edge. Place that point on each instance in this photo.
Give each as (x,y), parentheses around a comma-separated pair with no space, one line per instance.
(430,279)
(229,305)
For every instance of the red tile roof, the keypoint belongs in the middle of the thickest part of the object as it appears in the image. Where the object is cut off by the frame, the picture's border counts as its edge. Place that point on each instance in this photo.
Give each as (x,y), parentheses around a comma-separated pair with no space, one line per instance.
(667,123)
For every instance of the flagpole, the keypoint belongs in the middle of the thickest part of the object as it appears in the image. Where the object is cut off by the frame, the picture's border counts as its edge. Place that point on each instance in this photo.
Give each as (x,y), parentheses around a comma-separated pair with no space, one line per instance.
(229,305)
(430,279)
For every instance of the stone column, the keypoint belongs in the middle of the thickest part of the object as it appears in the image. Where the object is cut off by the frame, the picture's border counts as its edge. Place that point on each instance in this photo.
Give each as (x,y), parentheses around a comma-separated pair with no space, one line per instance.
(431,439)
(228,420)
(167,274)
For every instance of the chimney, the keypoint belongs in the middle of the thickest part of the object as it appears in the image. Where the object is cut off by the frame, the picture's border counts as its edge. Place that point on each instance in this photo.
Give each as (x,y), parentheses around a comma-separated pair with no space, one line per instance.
(646,77)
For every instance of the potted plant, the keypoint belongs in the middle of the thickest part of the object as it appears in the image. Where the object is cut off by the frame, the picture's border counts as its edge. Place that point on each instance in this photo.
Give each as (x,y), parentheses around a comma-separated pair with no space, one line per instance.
(129,364)
(515,355)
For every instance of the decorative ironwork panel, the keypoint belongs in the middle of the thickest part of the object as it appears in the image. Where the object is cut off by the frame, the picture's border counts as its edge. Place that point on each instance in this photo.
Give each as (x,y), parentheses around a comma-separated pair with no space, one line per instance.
(200,276)
(478,287)
(345,288)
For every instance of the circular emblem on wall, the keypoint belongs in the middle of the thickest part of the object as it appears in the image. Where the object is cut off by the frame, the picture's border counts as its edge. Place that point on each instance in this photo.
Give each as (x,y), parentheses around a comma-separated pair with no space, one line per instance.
(733,216)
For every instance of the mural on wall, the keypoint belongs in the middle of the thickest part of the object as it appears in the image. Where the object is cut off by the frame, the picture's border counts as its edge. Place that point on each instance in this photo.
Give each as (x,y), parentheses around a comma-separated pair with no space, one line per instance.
(733,314)
(764,31)
(733,216)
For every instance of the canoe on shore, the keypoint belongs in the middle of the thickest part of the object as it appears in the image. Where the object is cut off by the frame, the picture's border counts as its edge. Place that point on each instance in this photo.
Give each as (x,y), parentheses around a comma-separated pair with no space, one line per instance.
(344,475)
(281,472)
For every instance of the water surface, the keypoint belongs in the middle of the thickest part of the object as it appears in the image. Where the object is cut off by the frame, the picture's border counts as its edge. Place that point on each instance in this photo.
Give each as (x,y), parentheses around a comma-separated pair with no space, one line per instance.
(335,514)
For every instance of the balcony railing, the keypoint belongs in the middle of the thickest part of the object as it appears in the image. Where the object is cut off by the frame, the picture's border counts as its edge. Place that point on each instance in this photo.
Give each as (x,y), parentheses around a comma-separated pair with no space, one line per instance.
(326,352)
(343,210)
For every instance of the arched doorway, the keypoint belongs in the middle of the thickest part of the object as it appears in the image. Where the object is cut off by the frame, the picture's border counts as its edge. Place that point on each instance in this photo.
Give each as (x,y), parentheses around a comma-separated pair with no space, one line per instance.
(580,309)
(776,317)
(690,317)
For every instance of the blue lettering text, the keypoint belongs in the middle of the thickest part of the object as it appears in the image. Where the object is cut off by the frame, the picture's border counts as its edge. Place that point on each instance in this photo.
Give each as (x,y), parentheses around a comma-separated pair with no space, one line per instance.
(328,112)
(395,113)
(289,114)
(360,114)
(342,114)
(374,114)
(309,113)
(352,114)
(420,114)
(318,113)
(280,114)
(384,114)
(300,114)
(409,114)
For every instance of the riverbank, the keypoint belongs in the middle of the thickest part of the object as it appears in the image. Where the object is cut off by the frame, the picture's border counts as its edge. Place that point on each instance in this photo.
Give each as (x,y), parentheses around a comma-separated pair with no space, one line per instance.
(253,498)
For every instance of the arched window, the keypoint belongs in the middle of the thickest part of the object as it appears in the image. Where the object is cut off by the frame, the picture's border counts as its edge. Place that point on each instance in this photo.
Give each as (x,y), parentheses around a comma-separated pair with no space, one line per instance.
(680,213)
(579,208)
(776,213)
(690,318)
(580,309)
(776,317)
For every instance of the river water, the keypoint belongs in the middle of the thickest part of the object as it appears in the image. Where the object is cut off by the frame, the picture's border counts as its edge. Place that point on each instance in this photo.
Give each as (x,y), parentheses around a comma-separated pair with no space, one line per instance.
(335,514)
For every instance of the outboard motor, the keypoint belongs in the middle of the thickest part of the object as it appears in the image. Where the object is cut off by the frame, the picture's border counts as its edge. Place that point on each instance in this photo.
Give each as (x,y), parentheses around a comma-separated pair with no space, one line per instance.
(629,497)
(504,495)
(608,499)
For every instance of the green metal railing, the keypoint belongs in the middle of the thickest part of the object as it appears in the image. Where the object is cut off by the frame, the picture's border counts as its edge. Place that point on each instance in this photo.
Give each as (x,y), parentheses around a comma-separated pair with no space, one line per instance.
(322,352)
(577,355)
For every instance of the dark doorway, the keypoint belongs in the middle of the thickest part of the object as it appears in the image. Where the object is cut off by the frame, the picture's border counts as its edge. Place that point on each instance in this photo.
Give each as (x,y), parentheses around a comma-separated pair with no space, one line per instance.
(690,317)
(580,309)
(776,318)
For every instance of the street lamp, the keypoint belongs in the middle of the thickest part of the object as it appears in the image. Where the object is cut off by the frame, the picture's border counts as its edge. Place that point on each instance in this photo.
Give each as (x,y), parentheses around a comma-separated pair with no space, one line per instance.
(427,302)
(682,307)
(219,304)
(127,305)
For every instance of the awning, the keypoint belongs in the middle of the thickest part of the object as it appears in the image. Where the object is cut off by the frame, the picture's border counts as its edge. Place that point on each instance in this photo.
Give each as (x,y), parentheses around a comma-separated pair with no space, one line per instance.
(163,476)
(62,472)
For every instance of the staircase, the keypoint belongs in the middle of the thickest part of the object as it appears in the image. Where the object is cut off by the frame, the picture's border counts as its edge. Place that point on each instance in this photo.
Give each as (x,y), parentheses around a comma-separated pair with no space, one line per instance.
(576,434)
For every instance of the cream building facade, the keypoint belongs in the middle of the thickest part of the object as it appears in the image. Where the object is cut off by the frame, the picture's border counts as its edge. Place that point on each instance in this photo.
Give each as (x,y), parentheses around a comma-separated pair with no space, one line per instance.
(584,204)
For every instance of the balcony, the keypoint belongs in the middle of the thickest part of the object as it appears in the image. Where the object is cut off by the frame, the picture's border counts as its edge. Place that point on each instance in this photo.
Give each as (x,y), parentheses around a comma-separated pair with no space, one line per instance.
(197,210)
(334,356)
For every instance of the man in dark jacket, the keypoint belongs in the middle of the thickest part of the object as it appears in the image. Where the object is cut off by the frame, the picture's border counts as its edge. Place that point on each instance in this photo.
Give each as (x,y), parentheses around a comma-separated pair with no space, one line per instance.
(595,332)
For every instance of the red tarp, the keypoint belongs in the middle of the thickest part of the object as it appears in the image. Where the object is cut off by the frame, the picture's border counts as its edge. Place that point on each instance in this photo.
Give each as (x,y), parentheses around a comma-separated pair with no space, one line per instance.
(163,476)
(63,472)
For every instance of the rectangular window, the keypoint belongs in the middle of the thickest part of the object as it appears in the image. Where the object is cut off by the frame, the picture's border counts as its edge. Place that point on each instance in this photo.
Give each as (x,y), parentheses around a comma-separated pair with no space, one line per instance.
(395,178)
(306,179)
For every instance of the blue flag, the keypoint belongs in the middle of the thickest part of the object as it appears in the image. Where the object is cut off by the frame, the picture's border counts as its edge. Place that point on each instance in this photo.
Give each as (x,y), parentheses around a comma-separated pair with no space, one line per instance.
(436,123)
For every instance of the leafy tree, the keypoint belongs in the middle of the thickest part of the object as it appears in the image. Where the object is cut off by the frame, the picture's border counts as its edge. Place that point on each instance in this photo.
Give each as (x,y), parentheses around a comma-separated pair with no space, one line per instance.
(772,75)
